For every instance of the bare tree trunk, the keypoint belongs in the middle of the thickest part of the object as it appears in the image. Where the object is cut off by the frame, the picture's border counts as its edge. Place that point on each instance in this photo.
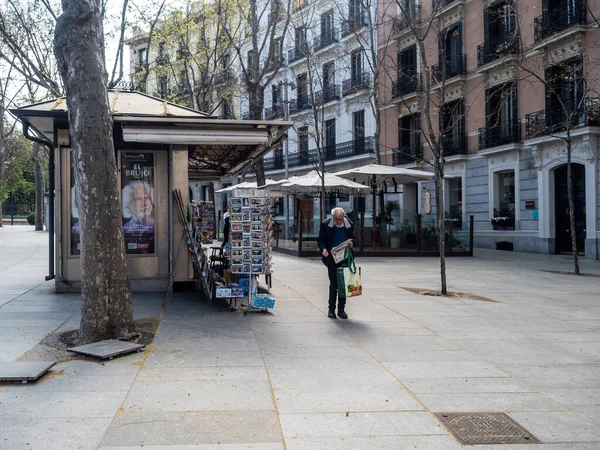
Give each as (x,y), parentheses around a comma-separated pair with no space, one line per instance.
(439,213)
(39,188)
(571,206)
(256,98)
(106,310)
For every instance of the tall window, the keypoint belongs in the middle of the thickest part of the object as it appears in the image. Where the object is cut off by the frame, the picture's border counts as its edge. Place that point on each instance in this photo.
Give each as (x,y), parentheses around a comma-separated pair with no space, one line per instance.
(455,204)
(504,203)
(358,124)
(451,52)
(326,28)
(275,95)
(142,56)
(300,40)
(227,112)
(302,87)
(250,60)
(355,11)
(330,139)
(356,67)
(501,115)
(499,23)
(303,145)
(163,86)
(409,137)
(277,50)
(452,128)
(162,53)
(328,76)
(564,81)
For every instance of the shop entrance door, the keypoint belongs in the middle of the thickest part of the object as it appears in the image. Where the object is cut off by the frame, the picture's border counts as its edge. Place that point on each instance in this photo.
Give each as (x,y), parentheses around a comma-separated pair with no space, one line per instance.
(561,211)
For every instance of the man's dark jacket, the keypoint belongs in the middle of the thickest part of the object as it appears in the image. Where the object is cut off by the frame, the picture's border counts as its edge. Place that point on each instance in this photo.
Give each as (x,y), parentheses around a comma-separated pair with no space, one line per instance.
(325,240)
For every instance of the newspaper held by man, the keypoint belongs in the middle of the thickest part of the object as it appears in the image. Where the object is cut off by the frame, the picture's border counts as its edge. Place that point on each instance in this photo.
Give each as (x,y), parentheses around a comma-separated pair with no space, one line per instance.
(339,253)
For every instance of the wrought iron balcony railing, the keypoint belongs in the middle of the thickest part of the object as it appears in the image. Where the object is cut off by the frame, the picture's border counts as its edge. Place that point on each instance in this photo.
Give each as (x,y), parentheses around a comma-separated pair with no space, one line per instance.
(411,16)
(301,104)
(297,53)
(223,77)
(276,112)
(454,145)
(454,65)
(497,48)
(407,154)
(442,4)
(569,13)
(407,83)
(277,61)
(329,37)
(354,23)
(357,147)
(500,134)
(329,94)
(274,162)
(356,84)
(556,120)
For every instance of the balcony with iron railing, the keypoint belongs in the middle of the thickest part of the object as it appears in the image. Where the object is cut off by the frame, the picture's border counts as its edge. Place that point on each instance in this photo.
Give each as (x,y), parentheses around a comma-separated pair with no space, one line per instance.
(558,119)
(496,135)
(441,4)
(277,61)
(408,18)
(454,144)
(356,84)
(300,104)
(298,52)
(407,154)
(329,94)
(496,48)
(354,23)
(407,83)
(327,38)
(223,77)
(275,112)
(274,162)
(357,147)
(454,66)
(568,14)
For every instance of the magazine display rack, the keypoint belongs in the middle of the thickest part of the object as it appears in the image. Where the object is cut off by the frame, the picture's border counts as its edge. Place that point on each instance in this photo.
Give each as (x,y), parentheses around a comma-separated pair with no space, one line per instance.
(203,221)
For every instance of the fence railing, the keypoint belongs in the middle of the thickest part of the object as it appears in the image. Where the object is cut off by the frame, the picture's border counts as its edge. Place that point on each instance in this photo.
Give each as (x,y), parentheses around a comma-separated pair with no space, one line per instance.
(500,134)
(356,84)
(354,23)
(497,48)
(407,154)
(407,83)
(452,67)
(557,119)
(410,16)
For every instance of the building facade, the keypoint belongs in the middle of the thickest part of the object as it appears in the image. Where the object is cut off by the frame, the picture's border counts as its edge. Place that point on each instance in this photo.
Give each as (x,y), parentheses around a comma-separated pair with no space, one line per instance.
(510,82)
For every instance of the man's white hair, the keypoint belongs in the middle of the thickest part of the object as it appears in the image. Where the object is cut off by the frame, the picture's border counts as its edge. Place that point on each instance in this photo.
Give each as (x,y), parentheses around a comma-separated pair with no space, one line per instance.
(128,194)
(338,209)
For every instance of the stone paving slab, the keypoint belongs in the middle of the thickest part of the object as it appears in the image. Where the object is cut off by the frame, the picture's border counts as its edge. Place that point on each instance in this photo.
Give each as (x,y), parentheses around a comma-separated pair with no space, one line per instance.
(193,428)
(559,427)
(375,442)
(360,424)
(260,446)
(497,402)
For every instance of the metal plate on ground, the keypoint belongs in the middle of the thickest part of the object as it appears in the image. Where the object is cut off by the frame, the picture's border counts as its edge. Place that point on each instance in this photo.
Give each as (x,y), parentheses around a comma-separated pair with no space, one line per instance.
(485,428)
(24,371)
(107,349)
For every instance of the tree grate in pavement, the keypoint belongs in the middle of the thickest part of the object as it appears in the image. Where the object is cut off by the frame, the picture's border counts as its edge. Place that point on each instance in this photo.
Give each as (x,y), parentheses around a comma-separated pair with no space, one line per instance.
(485,428)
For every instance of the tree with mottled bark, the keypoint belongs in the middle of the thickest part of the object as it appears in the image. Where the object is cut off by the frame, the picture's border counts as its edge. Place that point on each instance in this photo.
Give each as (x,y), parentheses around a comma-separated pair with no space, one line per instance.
(106,310)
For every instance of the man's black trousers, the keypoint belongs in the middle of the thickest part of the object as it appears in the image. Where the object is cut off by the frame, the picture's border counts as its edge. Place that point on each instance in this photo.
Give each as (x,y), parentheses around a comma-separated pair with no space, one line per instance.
(333,286)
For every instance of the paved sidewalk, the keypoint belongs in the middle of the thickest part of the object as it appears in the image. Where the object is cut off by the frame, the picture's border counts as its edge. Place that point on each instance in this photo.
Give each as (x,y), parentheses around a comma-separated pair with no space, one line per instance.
(297,380)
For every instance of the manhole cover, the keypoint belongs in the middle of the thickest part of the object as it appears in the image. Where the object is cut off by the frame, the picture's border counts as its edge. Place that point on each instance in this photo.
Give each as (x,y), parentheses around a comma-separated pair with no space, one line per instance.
(485,428)
(107,349)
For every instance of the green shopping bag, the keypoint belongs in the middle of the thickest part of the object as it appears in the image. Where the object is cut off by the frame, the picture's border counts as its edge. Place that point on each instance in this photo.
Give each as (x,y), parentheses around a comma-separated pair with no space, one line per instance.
(348,277)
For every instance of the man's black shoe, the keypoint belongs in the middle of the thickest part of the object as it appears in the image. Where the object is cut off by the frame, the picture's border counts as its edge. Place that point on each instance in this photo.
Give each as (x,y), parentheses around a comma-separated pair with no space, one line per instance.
(331,314)
(342,314)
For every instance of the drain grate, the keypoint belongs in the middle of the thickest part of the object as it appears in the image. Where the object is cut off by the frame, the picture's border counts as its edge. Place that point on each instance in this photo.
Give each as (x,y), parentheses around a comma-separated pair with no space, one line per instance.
(485,428)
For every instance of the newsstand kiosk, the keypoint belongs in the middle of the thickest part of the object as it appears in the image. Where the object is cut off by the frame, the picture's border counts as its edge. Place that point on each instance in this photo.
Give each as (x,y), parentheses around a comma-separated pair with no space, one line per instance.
(160,148)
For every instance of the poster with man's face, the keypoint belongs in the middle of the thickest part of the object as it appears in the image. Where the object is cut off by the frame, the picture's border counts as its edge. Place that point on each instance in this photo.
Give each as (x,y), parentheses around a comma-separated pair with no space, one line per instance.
(137,197)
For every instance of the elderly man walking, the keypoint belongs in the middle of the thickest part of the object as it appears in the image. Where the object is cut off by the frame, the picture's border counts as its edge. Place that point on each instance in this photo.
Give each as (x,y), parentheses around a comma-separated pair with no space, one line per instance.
(333,232)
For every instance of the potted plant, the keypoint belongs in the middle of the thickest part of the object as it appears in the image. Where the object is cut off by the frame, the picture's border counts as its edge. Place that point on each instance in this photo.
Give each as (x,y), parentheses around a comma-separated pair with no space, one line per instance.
(396,236)
(503,220)
(429,236)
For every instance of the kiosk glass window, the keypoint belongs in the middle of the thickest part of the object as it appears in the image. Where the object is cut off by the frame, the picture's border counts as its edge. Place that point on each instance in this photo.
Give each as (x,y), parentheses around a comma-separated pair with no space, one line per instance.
(137,197)
(74,224)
